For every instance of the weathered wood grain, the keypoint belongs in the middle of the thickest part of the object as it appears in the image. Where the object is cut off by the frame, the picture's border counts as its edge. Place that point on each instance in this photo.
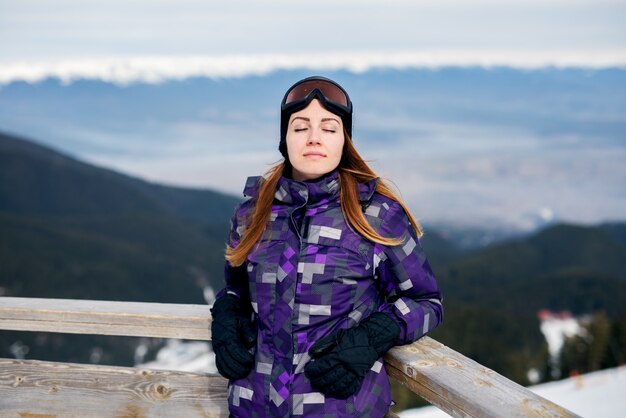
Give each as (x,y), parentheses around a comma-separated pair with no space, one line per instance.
(31,388)
(462,387)
(137,319)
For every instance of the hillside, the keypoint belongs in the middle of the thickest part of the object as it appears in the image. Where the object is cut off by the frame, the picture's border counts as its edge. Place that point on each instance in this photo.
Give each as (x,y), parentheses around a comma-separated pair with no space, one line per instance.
(73,230)
(560,257)
(102,222)
(38,180)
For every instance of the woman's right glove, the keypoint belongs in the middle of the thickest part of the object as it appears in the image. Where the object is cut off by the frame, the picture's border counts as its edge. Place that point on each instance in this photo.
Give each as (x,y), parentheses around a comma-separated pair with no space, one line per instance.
(232,336)
(342,359)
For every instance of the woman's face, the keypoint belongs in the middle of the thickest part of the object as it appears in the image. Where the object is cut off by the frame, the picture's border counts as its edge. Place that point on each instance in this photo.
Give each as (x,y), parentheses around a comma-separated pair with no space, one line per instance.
(314,141)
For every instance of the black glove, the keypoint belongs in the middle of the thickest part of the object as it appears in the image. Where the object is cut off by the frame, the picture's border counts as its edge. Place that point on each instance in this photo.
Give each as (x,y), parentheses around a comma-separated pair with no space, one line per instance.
(232,335)
(343,359)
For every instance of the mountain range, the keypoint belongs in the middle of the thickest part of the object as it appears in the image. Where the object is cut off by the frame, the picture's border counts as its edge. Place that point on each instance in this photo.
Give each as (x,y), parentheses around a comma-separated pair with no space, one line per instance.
(71,229)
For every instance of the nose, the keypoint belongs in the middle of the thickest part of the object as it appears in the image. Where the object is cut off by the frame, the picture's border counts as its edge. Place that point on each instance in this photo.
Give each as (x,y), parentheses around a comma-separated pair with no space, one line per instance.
(314,136)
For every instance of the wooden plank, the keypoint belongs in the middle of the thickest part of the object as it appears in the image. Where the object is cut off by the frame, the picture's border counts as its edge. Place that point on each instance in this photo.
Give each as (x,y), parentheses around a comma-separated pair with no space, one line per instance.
(138,319)
(462,387)
(456,384)
(32,388)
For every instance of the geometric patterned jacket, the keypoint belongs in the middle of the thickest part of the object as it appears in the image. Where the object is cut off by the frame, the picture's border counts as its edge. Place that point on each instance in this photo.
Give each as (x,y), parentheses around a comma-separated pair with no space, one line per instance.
(309,276)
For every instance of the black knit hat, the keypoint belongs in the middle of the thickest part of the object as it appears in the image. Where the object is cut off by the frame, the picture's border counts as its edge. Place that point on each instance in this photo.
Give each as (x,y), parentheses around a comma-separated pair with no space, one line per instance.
(330,94)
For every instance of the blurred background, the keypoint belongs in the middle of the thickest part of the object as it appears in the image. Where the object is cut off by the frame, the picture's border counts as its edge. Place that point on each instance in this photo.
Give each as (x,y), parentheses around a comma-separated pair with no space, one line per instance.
(128,129)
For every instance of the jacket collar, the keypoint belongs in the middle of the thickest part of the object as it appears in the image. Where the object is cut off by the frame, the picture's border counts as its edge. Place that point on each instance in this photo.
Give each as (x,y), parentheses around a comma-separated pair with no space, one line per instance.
(316,191)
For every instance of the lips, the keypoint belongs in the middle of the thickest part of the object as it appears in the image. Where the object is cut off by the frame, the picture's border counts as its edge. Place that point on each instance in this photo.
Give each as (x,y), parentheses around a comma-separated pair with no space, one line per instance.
(314,154)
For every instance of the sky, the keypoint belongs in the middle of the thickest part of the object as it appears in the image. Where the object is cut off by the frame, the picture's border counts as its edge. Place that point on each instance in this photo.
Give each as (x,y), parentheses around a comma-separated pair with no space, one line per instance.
(130,41)
(137,39)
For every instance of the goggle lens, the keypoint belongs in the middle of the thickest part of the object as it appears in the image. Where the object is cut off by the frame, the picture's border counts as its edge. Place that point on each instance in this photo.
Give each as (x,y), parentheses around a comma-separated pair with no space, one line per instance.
(329,90)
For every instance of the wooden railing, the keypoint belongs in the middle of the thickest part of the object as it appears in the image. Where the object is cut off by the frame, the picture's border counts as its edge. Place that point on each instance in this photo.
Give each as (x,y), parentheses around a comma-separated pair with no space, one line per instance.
(31,388)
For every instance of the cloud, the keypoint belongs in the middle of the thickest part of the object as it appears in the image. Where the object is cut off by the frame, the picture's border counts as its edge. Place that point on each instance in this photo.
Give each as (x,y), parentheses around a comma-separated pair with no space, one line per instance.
(157,69)
(151,41)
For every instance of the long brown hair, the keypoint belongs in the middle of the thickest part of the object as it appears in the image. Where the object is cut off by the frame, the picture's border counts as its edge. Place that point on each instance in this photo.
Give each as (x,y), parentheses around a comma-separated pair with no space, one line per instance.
(352,170)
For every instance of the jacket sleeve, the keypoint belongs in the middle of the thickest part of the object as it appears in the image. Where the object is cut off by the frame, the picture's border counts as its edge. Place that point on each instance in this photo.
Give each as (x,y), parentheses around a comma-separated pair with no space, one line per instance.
(236,278)
(414,300)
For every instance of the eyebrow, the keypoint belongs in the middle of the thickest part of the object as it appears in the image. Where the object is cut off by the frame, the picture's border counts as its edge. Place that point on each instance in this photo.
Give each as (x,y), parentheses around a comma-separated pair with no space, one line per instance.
(309,120)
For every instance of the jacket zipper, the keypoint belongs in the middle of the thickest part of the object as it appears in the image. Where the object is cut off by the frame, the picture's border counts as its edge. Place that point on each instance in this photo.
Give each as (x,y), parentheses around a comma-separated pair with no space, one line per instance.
(295,225)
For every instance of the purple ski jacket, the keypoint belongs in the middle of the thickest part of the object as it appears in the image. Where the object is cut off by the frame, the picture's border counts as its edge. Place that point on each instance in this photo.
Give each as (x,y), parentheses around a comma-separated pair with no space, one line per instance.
(311,275)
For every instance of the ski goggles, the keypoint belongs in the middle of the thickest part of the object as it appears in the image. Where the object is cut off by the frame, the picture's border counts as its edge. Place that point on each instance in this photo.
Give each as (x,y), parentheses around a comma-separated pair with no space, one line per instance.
(327,90)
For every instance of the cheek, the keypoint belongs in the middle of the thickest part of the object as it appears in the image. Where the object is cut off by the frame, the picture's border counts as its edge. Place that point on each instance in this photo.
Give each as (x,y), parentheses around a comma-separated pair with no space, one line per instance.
(292,143)
(337,149)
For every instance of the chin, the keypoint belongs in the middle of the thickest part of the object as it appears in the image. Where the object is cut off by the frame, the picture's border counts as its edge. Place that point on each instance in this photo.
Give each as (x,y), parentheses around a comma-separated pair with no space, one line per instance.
(317,169)
(313,172)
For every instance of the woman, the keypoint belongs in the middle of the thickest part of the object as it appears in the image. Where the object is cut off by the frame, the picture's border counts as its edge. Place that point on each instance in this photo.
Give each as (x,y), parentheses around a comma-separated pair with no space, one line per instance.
(324,273)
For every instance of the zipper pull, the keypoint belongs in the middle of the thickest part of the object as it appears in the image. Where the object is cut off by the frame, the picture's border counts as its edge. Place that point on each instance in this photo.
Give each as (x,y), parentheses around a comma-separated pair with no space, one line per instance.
(305,226)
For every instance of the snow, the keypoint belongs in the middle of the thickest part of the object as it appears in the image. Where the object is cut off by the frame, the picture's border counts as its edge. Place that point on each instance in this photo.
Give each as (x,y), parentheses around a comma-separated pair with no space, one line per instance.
(193,356)
(556,327)
(597,394)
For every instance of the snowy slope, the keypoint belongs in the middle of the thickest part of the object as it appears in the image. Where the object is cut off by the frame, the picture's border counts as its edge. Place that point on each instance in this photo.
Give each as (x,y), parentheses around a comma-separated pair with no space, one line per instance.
(597,394)
(195,356)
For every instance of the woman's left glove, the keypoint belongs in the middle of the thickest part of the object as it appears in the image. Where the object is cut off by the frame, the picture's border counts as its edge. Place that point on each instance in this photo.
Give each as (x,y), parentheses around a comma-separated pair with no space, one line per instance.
(231,336)
(341,360)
